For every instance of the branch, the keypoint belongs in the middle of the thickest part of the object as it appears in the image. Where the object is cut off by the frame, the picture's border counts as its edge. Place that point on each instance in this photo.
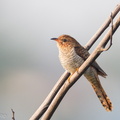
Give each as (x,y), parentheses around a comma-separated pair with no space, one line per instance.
(102,28)
(48,114)
(44,106)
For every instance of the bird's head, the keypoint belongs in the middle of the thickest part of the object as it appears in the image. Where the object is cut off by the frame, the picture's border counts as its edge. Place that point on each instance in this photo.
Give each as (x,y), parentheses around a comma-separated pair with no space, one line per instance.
(64,41)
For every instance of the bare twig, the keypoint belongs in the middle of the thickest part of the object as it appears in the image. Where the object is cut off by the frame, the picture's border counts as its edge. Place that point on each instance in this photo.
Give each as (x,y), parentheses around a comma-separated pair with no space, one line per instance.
(44,106)
(111,35)
(13,114)
(102,28)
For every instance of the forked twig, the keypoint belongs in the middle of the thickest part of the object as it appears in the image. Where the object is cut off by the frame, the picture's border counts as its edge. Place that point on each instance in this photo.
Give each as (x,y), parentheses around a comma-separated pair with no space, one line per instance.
(102,28)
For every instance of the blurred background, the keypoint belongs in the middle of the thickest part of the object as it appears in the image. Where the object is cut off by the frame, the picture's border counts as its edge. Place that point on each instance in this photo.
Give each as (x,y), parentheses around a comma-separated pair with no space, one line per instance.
(29,64)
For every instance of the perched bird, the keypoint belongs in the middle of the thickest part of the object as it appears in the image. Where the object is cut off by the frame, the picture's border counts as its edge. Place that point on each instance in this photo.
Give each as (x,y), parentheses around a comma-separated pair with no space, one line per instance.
(72,55)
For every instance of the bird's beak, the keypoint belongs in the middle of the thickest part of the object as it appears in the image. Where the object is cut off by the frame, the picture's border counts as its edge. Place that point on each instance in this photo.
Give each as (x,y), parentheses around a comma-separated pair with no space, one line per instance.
(54,39)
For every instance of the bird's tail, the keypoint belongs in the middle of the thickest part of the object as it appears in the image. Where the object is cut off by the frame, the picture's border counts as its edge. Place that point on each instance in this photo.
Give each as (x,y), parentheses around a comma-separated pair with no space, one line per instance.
(105,101)
(92,76)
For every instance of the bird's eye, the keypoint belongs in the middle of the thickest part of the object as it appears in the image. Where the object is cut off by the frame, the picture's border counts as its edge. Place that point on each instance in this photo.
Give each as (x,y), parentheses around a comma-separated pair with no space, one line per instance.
(64,40)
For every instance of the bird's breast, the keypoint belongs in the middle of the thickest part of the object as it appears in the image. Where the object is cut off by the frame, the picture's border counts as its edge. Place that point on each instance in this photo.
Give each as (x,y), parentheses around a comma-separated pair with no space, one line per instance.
(70,60)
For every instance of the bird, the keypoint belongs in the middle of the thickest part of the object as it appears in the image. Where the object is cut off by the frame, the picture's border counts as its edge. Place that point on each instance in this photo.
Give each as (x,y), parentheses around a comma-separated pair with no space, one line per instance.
(72,55)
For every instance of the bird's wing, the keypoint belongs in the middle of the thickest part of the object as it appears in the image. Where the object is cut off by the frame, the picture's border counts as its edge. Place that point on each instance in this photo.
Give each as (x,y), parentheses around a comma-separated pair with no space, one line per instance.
(82,52)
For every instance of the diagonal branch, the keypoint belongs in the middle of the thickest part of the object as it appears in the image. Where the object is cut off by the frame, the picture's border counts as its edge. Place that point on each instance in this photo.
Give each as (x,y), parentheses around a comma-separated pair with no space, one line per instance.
(61,93)
(44,106)
(102,28)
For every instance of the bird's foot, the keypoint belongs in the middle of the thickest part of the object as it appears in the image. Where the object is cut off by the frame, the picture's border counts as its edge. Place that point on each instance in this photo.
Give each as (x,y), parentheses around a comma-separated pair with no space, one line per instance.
(69,78)
(72,74)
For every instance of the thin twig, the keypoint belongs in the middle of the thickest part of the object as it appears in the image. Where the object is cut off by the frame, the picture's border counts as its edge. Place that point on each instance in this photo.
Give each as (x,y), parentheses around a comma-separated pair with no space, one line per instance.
(13,114)
(44,106)
(102,28)
(111,34)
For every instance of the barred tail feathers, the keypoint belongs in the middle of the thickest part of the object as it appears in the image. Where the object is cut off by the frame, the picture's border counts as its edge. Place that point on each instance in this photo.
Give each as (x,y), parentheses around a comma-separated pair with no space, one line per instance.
(92,76)
(105,101)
